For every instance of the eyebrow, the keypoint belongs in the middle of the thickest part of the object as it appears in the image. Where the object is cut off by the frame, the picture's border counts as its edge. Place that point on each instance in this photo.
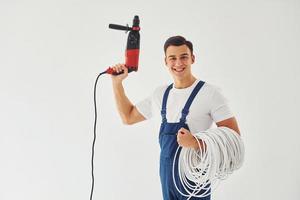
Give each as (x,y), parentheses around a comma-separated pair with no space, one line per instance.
(184,54)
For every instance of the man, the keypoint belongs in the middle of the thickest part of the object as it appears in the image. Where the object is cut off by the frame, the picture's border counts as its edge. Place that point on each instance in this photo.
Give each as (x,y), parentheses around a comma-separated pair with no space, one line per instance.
(187,106)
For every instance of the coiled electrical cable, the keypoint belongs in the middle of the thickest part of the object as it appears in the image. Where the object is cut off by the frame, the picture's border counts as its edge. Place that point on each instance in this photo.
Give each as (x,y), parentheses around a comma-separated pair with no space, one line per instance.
(222,153)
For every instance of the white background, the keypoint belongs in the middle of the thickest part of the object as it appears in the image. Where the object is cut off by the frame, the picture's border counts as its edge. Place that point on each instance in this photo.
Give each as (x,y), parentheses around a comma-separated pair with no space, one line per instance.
(52,51)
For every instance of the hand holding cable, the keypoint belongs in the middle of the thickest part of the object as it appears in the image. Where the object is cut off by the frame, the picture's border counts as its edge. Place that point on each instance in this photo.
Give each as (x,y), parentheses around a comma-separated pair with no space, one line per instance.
(224,153)
(186,139)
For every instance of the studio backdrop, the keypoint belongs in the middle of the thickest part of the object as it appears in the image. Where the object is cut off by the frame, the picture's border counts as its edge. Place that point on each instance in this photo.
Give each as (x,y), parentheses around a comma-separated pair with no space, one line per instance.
(52,51)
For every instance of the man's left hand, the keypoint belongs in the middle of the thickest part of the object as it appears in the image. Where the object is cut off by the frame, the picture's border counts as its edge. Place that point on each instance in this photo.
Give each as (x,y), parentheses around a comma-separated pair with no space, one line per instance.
(186,139)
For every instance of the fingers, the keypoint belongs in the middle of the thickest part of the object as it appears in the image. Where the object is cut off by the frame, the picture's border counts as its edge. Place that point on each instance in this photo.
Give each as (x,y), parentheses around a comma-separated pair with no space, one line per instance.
(119,68)
(180,139)
(184,137)
(125,69)
(183,131)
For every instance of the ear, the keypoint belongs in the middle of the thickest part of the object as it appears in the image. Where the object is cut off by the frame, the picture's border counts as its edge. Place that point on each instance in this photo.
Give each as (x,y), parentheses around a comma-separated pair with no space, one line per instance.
(166,61)
(193,59)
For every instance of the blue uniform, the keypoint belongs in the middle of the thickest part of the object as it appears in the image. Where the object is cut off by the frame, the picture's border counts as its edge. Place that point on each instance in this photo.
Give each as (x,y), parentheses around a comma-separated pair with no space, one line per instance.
(168,144)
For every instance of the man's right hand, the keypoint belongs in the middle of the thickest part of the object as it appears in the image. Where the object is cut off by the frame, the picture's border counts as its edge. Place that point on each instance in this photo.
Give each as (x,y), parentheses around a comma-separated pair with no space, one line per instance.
(119,68)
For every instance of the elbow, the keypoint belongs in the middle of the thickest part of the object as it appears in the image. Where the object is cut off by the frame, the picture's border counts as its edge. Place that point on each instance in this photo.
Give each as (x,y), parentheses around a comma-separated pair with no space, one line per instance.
(237,130)
(129,123)
(126,121)
(127,118)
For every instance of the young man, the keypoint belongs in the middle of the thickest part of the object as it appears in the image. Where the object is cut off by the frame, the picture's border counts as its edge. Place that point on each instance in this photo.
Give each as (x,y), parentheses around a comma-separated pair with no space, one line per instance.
(187,106)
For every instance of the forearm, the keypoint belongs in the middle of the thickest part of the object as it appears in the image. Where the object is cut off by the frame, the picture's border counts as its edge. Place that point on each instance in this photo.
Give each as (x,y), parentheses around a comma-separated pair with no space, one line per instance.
(124,105)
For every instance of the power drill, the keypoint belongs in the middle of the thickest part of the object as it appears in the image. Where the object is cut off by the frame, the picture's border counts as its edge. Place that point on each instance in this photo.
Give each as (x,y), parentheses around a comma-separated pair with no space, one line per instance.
(131,62)
(133,46)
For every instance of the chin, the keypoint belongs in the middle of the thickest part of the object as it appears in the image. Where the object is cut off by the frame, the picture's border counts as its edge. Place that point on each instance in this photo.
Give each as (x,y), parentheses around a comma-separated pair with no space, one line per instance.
(178,77)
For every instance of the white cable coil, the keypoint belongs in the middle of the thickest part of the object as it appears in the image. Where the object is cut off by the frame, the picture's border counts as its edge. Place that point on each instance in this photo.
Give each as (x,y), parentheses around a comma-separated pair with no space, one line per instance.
(223,153)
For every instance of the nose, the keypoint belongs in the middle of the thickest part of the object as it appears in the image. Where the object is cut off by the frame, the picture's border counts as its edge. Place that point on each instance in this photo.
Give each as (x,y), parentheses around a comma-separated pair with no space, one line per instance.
(178,62)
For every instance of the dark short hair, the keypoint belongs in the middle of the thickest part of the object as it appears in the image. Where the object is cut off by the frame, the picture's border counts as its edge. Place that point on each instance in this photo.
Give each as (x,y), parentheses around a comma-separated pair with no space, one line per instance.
(178,41)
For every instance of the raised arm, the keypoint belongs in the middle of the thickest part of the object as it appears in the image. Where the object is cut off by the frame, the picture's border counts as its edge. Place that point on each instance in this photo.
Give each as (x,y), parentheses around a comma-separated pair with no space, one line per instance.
(128,112)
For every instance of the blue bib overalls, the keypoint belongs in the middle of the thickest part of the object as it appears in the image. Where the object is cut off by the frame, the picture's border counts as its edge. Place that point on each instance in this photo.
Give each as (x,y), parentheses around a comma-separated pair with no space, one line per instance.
(168,144)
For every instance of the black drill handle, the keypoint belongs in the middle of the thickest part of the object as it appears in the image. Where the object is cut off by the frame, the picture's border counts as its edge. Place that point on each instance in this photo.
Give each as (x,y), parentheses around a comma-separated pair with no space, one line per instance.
(119,27)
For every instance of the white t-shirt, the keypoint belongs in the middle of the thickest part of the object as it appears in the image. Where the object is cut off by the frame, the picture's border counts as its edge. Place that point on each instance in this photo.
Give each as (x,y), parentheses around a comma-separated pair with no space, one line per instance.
(208,106)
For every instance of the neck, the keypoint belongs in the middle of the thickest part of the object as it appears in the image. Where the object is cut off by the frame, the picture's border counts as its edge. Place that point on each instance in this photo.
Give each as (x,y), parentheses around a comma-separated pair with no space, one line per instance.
(184,83)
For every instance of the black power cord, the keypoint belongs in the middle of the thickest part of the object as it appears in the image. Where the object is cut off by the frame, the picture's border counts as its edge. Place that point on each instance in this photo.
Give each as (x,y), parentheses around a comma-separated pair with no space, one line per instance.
(94,140)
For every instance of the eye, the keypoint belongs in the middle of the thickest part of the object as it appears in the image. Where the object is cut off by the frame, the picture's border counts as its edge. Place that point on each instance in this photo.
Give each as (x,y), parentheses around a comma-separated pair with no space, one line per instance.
(184,57)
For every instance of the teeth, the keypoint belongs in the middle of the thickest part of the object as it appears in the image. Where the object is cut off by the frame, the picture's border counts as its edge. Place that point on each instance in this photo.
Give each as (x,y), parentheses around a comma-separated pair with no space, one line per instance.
(178,70)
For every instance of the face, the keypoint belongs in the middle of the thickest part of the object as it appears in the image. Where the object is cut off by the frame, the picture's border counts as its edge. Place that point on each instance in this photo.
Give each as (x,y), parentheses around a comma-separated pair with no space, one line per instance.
(179,60)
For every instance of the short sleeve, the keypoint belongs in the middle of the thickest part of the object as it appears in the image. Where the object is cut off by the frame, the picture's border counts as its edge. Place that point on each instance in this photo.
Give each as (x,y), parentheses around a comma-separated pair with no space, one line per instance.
(220,109)
(150,106)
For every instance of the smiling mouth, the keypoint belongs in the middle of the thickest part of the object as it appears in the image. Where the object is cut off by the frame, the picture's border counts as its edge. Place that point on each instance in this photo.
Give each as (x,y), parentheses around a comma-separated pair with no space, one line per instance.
(178,70)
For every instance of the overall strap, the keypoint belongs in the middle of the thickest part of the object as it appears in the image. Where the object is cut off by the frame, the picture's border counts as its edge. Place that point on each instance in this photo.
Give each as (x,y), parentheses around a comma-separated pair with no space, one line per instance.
(185,110)
(164,103)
